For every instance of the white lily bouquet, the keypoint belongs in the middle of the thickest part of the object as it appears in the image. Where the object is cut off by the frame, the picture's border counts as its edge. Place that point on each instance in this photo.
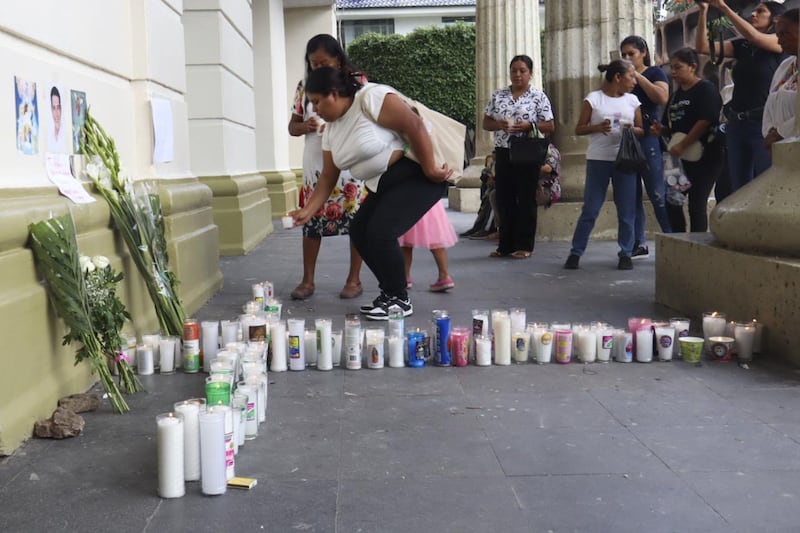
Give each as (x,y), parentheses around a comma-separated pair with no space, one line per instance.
(138,217)
(83,293)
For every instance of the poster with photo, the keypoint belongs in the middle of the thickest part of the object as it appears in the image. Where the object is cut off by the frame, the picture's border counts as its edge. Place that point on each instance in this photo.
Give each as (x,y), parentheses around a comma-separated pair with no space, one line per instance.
(78,105)
(27,127)
(58,137)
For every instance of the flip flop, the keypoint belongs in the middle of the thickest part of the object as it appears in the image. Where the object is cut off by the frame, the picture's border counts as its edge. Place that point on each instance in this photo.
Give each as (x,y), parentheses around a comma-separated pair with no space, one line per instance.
(521,254)
(498,254)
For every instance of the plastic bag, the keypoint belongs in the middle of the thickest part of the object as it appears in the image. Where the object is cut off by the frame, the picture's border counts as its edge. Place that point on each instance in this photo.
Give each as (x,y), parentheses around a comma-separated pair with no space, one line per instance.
(675,179)
(630,157)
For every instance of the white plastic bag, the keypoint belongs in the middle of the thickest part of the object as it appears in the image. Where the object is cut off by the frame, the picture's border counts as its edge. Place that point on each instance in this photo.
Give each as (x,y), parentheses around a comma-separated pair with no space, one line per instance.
(675,179)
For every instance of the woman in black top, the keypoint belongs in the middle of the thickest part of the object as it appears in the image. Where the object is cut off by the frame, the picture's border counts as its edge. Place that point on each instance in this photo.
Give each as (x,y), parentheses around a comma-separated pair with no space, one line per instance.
(757,55)
(693,111)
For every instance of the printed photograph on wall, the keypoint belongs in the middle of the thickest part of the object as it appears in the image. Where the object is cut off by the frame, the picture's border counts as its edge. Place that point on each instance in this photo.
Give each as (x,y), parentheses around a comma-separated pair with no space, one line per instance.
(78,105)
(27,116)
(58,141)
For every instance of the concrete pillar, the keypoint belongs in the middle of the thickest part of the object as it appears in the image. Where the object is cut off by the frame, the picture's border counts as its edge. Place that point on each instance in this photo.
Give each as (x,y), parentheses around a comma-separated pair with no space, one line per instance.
(222,119)
(579,35)
(504,28)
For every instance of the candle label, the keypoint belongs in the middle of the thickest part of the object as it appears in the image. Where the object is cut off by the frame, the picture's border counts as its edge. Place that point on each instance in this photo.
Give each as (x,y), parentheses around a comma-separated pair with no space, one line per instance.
(721,352)
(665,341)
(477,326)
(608,342)
(294,347)
(218,392)
(251,410)
(547,338)
(191,356)
(257,332)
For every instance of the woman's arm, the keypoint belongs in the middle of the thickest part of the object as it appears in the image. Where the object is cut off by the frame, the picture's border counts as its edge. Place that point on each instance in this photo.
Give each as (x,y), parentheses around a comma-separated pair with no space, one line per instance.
(584,128)
(492,124)
(766,41)
(297,127)
(322,190)
(697,131)
(638,130)
(657,91)
(397,116)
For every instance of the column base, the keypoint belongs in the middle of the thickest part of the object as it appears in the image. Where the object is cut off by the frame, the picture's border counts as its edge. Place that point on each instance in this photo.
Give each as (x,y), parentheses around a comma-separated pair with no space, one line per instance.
(283,191)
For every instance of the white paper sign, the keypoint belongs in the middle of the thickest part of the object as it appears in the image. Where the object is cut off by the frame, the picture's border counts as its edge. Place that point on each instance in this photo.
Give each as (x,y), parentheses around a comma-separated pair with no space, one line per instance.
(162,130)
(58,171)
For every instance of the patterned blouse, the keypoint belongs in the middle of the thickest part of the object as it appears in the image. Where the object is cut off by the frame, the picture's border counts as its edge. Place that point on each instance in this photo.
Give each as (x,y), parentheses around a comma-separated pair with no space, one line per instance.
(532,106)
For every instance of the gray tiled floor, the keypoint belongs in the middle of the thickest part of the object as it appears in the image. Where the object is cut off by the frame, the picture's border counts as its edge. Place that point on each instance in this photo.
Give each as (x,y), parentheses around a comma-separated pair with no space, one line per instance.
(525,448)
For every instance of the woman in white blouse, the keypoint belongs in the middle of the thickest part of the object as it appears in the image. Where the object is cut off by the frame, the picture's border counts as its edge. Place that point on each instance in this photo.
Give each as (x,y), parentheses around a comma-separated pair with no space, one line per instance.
(368,129)
(781,106)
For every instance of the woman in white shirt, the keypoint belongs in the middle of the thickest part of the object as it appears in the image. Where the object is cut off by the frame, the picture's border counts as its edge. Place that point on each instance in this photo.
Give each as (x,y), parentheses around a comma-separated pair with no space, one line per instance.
(373,150)
(781,106)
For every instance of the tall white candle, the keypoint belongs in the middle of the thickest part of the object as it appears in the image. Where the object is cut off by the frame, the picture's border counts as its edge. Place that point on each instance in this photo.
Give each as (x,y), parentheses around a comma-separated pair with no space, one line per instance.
(297,348)
(644,344)
(153,340)
(324,344)
(336,353)
(230,462)
(189,411)
(144,359)
(210,346)
(212,452)
(251,410)
(239,402)
(396,352)
(170,456)
(166,349)
(744,334)
(480,326)
(230,331)
(278,346)
(311,347)
(501,330)
(681,326)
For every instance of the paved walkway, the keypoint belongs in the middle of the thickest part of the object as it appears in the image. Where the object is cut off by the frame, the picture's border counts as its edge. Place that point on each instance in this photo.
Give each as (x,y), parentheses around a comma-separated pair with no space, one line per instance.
(525,448)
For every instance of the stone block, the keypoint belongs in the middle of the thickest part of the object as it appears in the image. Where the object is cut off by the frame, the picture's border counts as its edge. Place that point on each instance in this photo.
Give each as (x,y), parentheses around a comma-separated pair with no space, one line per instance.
(464,200)
(694,274)
(64,423)
(80,403)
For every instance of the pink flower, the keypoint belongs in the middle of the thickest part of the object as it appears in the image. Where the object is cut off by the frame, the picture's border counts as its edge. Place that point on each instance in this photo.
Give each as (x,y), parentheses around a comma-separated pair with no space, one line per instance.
(333,211)
(350,191)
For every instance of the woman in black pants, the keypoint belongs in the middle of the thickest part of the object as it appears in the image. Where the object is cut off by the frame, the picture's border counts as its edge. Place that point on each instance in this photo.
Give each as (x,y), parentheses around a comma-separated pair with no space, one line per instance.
(366,133)
(694,113)
(514,111)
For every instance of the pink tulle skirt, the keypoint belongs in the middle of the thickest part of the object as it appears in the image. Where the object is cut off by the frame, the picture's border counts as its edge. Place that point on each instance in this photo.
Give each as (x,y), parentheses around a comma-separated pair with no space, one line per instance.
(432,231)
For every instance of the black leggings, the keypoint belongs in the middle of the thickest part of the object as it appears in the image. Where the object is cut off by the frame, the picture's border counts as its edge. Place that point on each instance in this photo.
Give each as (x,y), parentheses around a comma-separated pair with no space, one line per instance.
(702,175)
(404,195)
(516,203)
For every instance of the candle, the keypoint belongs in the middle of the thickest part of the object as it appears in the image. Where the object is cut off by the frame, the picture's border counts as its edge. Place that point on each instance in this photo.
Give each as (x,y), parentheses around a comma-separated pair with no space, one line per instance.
(230,331)
(587,345)
(396,352)
(273,307)
(374,340)
(681,326)
(218,389)
(396,322)
(520,341)
(713,325)
(166,349)
(563,340)
(605,342)
(189,411)
(721,348)
(324,345)
(644,344)
(278,346)
(542,341)
(337,347)
(352,342)
(665,341)
(239,401)
(416,348)
(310,347)
(483,350)
(634,324)
(153,340)
(441,338)
(459,339)
(517,317)
(480,326)
(210,333)
(758,336)
(170,456)
(501,330)
(130,349)
(623,345)
(287,222)
(230,462)
(744,334)
(144,359)
(212,452)
(251,413)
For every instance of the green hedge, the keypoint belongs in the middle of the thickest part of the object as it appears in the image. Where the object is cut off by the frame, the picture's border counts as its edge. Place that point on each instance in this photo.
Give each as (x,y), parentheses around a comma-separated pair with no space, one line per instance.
(433,65)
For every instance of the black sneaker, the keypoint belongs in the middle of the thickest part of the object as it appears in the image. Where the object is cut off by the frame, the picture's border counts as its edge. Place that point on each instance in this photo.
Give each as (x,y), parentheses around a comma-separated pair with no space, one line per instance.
(625,263)
(640,252)
(572,262)
(376,303)
(382,312)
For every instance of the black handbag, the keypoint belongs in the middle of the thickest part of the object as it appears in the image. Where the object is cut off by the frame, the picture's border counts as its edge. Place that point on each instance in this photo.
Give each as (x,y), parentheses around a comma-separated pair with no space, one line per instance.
(528,149)
(630,157)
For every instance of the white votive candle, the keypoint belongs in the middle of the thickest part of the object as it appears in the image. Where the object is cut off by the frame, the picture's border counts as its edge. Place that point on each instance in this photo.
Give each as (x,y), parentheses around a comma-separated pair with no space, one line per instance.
(189,411)
(744,334)
(166,349)
(501,329)
(644,344)
(212,452)
(230,331)
(713,325)
(251,410)
(337,347)
(144,359)
(542,341)
(210,346)
(665,342)
(278,346)
(153,341)
(605,342)
(297,348)
(310,350)
(324,344)
(170,456)
(287,222)
(396,352)
(587,345)
(521,341)
(483,350)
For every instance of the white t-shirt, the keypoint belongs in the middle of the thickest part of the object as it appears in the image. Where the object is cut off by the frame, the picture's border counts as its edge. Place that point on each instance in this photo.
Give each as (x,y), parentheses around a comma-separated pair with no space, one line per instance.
(357,143)
(604,147)
(781,104)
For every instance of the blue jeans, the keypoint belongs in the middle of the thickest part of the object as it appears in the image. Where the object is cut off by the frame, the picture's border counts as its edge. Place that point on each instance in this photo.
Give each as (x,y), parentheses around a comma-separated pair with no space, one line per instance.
(594,194)
(747,157)
(653,180)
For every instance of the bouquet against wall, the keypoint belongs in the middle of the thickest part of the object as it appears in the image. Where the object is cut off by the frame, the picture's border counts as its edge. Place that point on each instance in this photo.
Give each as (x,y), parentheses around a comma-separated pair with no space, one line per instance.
(138,216)
(83,293)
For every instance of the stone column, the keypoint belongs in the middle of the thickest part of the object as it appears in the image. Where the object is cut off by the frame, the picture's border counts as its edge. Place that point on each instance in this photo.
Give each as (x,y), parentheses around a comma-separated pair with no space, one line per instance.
(222,119)
(579,35)
(504,28)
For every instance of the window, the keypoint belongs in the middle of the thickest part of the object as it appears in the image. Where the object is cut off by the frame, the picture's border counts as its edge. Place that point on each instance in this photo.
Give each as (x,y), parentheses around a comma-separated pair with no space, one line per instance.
(353,28)
(452,20)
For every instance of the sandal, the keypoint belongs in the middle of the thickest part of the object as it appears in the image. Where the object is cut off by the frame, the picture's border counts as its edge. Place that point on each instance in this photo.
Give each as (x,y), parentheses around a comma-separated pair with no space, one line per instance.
(301,292)
(351,290)
(498,253)
(521,254)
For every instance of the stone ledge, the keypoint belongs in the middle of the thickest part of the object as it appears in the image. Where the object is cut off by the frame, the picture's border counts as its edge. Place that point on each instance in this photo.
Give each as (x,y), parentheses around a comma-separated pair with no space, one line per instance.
(695,274)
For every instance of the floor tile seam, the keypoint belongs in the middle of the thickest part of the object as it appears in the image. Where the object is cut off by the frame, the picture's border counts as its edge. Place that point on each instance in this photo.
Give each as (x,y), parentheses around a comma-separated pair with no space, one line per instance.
(781,433)
(702,498)
(150,518)
(338,507)
(426,477)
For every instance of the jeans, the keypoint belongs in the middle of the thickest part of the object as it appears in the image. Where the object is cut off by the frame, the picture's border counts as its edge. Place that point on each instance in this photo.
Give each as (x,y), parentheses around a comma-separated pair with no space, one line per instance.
(515,187)
(747,157)
(404,195)
(594,194)
(702,175)
(653,179)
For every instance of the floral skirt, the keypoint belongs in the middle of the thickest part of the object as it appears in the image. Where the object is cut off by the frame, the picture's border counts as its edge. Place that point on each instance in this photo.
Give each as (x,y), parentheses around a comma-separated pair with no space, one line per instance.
(335,215)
